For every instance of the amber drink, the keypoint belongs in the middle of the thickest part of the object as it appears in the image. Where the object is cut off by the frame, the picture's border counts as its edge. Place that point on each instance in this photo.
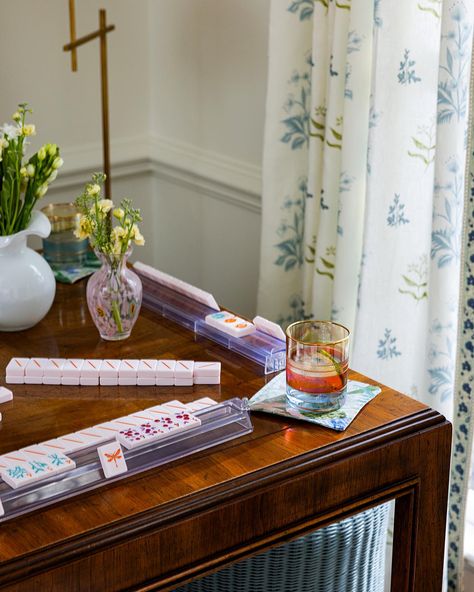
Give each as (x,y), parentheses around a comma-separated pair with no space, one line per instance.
(317,365)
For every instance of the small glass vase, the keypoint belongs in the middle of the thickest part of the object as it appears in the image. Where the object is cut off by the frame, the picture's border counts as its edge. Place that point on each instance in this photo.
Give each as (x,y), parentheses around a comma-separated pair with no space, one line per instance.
(114,297)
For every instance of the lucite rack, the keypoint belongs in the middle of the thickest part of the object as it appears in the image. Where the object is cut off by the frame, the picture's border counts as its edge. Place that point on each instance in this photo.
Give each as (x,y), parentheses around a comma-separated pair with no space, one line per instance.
(259,347)
(219,423)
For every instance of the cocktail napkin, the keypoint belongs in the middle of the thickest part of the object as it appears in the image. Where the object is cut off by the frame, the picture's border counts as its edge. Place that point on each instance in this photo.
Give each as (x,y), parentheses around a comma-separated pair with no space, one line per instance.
(272,399)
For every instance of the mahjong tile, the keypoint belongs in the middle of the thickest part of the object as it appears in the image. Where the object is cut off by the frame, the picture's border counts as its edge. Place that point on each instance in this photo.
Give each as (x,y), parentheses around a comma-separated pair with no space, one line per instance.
(34,370)
(71,371)
(90,373)
(108,373)
(207,369)
(15,370)
(53,371)
(112,459)
(146,372)
(5,395)
(128,372)
(184,369)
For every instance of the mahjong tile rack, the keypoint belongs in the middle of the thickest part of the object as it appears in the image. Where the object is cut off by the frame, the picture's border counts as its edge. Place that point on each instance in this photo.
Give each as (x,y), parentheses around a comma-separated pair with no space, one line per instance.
(218,423)
(261,341)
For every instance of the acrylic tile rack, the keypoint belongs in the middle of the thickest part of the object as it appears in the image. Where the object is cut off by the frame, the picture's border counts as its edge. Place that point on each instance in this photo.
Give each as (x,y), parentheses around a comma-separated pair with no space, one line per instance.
(260,347)
(219,423)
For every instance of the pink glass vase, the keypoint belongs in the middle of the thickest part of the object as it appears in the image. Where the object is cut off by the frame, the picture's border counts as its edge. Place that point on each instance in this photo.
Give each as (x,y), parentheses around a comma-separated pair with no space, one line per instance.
(114,297)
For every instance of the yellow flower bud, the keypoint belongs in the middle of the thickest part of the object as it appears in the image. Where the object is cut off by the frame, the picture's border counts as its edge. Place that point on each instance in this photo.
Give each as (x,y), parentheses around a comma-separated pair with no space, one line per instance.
(16,116)
(29,130)
(118,213)
(52,149)
(42,153)
(41,191)
(58,162)
(30,170)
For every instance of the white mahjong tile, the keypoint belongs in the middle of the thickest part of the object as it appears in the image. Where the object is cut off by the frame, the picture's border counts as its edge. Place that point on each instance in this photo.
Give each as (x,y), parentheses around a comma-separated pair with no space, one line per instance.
(58,461)
(230,324)
(41,468)
(15,370)
(2,510)
(173,406)
(5,395)
(90,373)
(143,434)
(201,404)
(128,420)
(112,459)
(53,371)
(128,372)
(108,373)
(71,371)
(34,370)
(17,474)
(184,369)
(73,442)
(144,415)
(146,372)
(165,370)
(207,369)
(178,422)
(207,380)
(55,445)
(108,428)
(158,411)
(97,436)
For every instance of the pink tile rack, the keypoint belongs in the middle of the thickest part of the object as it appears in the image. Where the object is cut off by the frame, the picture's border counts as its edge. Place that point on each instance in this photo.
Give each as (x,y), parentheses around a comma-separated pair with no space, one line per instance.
(260,347)
(219,423)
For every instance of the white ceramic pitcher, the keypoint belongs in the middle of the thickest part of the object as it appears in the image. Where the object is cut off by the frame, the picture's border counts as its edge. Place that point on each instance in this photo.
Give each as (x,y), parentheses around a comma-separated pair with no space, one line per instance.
(27,284)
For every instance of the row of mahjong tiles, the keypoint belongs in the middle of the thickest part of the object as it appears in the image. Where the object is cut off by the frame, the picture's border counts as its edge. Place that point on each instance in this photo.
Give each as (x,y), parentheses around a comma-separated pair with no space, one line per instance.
(111,372)
(41,461)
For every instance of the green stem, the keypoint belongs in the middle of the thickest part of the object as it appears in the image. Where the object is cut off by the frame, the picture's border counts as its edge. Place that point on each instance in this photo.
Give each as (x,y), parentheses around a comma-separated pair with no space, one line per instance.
(116,316)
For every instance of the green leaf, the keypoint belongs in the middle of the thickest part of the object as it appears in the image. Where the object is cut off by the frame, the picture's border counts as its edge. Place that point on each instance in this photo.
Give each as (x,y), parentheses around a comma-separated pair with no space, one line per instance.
(409,281)
(336,134)
(327,263)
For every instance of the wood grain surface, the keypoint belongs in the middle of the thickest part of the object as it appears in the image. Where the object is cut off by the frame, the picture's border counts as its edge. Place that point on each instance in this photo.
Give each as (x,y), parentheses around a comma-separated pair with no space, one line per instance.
(168,525)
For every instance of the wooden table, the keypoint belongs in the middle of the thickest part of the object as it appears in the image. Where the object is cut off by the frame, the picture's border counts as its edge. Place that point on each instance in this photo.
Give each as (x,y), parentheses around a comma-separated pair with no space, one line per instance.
(160,529)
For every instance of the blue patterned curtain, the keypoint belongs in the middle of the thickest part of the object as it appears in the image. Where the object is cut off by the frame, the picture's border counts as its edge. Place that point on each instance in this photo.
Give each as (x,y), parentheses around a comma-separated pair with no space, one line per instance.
(363,185)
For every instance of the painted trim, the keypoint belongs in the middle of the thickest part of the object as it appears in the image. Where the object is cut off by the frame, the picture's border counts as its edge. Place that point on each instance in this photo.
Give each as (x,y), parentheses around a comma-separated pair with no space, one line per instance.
(208,173)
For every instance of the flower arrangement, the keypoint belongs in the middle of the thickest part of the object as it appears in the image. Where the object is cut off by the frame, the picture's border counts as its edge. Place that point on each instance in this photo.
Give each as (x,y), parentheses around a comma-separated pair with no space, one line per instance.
(97,220)
(23,181)
(114,292)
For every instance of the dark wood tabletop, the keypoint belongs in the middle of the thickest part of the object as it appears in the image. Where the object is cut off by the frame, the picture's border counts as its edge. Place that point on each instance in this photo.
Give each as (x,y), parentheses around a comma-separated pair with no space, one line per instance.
(158,529)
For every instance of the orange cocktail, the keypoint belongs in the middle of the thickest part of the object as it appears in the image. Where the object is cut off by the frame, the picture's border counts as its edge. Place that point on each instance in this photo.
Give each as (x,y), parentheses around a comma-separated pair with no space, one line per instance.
(317,365)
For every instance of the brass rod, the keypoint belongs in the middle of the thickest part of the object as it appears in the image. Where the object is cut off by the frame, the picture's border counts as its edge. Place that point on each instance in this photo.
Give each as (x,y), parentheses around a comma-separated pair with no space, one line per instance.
(72,33)
(105,101)
(71,46)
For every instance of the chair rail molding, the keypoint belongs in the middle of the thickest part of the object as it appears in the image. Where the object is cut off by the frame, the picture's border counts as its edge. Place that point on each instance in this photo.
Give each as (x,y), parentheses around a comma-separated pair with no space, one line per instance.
(209,173)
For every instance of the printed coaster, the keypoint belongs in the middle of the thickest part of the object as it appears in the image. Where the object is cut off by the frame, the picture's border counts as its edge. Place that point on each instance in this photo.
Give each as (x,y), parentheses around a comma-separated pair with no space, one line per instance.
(272,399)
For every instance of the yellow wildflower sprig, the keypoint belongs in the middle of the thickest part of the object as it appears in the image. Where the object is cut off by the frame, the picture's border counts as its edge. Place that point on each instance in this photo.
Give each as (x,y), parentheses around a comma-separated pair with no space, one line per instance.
(109,230)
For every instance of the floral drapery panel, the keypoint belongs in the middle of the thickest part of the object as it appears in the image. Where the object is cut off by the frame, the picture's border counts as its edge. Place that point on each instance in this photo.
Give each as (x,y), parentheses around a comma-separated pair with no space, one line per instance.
(363,182)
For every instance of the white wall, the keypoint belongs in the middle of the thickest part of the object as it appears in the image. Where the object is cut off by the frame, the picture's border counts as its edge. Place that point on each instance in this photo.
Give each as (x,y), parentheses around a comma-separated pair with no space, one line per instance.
(187,92)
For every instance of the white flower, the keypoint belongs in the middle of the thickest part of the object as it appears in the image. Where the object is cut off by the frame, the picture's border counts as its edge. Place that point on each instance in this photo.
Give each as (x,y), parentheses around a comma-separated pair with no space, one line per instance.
(12,131)
(58,162)
(118,213)
(93,190)
(41,191)
(136,236)
(105,205)
(29,130)
(84,228)
(30,170)
(52,176)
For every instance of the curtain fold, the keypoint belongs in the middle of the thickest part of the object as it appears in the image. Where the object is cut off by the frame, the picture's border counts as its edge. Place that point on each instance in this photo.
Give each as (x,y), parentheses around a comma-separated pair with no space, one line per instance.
(363,183)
